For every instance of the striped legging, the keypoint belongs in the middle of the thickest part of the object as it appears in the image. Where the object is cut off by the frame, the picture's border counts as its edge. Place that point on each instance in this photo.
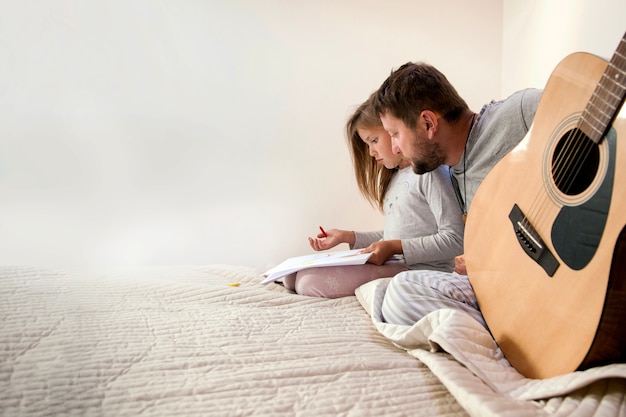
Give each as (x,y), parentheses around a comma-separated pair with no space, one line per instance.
(413,294)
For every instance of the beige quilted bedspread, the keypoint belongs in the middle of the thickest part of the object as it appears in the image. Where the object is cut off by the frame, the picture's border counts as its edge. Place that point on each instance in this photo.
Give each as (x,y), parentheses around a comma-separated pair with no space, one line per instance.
(181,341)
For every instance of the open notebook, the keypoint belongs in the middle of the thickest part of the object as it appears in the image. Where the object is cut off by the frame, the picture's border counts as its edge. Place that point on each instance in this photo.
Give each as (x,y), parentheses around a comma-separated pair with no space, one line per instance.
(291,265)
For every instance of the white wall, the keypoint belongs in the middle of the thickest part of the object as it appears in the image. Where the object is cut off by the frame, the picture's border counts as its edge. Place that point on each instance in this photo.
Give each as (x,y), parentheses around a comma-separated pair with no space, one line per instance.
(197,132)
(538,34)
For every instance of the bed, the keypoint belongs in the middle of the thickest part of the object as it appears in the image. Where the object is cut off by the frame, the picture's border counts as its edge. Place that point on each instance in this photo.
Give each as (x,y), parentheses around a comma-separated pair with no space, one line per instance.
(212,341)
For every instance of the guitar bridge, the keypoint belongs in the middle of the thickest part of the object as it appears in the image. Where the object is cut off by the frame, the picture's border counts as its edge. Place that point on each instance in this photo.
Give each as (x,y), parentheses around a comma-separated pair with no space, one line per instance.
(531,242)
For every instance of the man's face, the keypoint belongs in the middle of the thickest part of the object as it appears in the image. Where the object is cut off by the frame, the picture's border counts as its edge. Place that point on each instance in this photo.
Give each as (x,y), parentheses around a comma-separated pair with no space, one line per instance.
(425,154)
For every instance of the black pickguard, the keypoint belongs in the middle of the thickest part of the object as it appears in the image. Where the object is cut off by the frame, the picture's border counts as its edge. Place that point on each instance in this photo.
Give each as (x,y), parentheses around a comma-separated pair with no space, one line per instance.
(577,230)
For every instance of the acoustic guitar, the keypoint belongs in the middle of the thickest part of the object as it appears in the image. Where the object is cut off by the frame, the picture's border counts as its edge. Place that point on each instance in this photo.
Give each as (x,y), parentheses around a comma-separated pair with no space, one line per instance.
(545,239)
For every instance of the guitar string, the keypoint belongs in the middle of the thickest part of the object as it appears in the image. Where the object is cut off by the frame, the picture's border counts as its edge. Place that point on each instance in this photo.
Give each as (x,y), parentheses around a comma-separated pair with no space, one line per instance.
(577,148)
(598,101)
(573,156)
(606,99)
(606,108)
(540,208)
(581,136)
(564,169)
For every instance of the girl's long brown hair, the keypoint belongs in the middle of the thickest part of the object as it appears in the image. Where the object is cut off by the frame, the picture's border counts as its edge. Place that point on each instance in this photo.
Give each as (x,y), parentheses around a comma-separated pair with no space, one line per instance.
(372,179)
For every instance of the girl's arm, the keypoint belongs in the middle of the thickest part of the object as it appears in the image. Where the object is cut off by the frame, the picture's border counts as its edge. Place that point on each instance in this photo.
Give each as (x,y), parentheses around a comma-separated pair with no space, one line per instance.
(333,238)
(383,250)
(447,242)
(356,240)
(364,239)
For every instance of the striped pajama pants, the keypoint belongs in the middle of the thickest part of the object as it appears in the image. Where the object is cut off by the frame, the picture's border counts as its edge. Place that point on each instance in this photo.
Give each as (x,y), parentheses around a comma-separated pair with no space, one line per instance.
(413,294)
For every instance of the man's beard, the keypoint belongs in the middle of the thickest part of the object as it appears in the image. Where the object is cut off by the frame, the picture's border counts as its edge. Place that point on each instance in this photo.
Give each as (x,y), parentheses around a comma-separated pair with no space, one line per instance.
(432,158)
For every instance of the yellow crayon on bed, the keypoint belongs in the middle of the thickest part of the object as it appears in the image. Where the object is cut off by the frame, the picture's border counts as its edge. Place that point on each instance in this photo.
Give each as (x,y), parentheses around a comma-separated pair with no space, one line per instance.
(234,284)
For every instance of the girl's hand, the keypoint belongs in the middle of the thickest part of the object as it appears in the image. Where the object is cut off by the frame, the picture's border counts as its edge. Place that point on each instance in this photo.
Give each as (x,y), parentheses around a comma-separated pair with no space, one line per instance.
(333,238)
(383,250)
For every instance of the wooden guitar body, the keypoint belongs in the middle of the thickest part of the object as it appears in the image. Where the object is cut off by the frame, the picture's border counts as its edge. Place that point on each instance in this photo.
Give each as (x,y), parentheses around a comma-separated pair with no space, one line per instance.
(545,239)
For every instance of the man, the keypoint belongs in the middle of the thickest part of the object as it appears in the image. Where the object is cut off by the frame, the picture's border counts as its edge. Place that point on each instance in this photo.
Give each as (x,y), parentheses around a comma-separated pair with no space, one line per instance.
(431,125)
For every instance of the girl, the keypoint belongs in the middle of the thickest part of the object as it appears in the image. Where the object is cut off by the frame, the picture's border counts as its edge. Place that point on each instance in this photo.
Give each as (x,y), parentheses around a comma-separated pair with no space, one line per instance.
(423,223)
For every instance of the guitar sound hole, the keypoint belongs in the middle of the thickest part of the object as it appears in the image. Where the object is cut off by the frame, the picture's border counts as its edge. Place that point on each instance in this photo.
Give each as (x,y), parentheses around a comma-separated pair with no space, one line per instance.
(575,162)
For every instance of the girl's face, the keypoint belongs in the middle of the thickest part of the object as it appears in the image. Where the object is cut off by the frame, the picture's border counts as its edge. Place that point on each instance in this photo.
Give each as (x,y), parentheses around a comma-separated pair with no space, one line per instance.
(379,144)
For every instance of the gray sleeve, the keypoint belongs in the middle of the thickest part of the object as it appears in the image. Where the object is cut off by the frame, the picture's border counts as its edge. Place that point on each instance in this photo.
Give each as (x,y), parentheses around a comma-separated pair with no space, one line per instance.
(529,103)
(364,239)
(447,241)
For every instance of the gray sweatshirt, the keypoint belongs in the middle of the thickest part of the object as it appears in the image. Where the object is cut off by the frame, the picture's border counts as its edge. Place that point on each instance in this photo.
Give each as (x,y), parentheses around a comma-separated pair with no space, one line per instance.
(421,211)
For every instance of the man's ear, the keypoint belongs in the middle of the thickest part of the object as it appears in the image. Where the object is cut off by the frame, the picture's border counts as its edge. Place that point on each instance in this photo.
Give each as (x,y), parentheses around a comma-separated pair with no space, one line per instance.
(430,120)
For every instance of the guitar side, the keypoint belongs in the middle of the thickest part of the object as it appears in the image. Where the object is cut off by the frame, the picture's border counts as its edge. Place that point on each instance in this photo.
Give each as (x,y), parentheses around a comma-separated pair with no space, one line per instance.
(563,313)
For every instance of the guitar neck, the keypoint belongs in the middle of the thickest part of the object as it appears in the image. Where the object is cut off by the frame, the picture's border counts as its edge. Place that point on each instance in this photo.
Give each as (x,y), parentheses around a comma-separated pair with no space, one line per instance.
(607,97)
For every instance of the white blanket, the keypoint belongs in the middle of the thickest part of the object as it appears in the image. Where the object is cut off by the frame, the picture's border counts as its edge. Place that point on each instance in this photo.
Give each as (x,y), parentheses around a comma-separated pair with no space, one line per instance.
(468,361)
(197,341)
